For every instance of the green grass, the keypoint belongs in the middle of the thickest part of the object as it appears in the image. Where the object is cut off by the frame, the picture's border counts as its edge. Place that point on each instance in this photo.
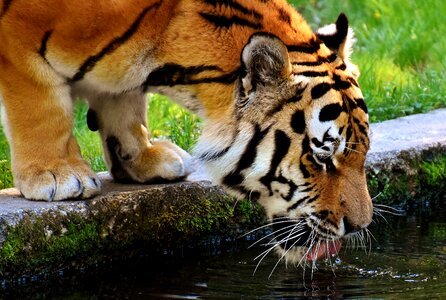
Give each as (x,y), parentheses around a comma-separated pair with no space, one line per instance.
(399,51)
(166,119)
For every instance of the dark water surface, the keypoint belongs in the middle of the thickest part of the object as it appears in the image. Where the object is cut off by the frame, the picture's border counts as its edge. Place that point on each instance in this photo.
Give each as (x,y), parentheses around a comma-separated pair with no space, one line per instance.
(406,261)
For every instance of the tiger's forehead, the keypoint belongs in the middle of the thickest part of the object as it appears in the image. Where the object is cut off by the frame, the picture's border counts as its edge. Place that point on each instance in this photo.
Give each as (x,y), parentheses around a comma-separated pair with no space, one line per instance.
(324,74)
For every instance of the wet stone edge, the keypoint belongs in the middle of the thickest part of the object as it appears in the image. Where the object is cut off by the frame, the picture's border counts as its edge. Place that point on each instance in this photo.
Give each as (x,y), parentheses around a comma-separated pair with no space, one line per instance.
(194,215)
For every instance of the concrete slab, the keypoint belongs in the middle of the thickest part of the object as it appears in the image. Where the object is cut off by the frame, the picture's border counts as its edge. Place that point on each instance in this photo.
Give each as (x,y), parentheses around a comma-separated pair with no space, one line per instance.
(415,132)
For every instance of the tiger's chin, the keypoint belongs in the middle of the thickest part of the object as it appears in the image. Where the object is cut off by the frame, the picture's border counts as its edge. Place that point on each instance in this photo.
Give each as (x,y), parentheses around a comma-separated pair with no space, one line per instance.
(302,255)
(297,242)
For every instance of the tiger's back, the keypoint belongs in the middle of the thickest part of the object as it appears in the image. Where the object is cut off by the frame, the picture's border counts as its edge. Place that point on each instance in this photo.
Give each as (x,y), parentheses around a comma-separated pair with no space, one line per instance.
(88,39)
(285,120)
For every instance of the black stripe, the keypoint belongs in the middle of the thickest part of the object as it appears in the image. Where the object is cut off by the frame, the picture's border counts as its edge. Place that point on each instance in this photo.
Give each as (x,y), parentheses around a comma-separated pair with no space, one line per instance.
(331,222)
(304,48)
(330,112)
(324,231)
(297,203)
(236,6)
(319,90)
(294,99)
(361,104)
(348,136)
(329,165)
(313,73)
(235,178)
(341,67)
(297,95)
(327,137)
(353,81)
(277,108)
(174,74)
(282,145)
(316,165)
(292,187)
(345,107)
(226,22)
(313,199)
(92,120)
(305,149)
(44,43)
(361,127)
(284,16)
(322,214)
(6,6)
(317,143)
(340,84)
(309,188)
(298,121)
(329,59)
(89,64)
(351,104)
(311,47)
(208,156)
(118,172)
(308,63)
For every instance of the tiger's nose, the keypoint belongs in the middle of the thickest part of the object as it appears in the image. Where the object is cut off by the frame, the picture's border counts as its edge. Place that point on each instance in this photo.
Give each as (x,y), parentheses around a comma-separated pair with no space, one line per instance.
(349,227)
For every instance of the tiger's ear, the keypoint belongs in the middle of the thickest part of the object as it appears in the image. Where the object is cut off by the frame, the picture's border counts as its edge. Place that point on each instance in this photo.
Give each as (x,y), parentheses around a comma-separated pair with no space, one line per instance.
(264,61)
(338,37)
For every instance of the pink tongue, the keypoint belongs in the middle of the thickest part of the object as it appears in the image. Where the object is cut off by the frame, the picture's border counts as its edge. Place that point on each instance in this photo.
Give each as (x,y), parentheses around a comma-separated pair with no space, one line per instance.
(325,250)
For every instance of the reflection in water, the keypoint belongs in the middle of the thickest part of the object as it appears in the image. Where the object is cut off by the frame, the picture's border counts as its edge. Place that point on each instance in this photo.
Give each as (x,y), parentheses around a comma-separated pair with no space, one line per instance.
(407,260)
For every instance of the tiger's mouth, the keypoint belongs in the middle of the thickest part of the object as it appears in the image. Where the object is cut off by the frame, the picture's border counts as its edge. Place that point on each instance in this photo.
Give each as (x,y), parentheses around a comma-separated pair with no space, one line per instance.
(291,234)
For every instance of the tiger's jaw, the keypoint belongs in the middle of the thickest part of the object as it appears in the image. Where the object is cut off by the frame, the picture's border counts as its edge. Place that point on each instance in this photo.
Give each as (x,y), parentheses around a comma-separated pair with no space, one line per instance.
(314,224)
(298,241)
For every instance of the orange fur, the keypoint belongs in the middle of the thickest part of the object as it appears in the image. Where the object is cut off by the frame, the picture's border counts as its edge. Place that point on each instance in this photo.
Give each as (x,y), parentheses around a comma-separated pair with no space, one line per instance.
(285,121)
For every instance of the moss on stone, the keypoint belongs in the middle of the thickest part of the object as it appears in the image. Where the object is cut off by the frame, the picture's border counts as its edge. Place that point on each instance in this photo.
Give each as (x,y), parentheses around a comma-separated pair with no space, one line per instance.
(174,217)
(434,171)
(410,181)
(47,240)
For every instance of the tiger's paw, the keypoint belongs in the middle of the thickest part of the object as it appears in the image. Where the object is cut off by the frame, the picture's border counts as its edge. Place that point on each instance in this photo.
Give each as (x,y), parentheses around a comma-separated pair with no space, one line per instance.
(177,163)
(58,180)
(160,161)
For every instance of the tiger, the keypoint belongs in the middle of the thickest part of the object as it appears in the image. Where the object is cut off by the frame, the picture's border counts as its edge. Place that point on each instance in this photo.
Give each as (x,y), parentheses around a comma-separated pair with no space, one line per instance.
(285,123)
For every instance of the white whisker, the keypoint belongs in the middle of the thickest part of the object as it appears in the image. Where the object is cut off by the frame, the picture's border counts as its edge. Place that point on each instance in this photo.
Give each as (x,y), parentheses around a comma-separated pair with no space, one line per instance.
(388,210)
(264,226)
(286,252)
(353,150)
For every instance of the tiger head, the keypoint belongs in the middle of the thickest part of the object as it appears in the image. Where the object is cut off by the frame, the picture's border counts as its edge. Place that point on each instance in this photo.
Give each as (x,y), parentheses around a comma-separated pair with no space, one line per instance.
(299,141)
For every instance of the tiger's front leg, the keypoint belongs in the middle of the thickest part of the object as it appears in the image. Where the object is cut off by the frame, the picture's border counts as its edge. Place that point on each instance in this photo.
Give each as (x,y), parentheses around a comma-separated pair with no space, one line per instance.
(37,118)
(129,153)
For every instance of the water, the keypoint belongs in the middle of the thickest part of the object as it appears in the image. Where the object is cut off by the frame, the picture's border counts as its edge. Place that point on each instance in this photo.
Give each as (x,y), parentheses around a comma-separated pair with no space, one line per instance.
(407,261)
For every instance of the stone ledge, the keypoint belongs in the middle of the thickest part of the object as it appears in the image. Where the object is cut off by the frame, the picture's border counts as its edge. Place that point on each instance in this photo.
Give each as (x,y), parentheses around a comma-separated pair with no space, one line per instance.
(407,160)
(46,236)
(414,133)
(43,236)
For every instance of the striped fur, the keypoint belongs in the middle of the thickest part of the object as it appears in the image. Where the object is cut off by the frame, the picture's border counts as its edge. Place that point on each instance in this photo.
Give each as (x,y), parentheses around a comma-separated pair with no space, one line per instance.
(285,121)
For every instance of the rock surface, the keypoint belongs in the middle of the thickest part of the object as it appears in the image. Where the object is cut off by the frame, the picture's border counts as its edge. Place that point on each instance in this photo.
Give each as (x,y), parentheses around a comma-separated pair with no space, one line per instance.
(38,236)
(415,133)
